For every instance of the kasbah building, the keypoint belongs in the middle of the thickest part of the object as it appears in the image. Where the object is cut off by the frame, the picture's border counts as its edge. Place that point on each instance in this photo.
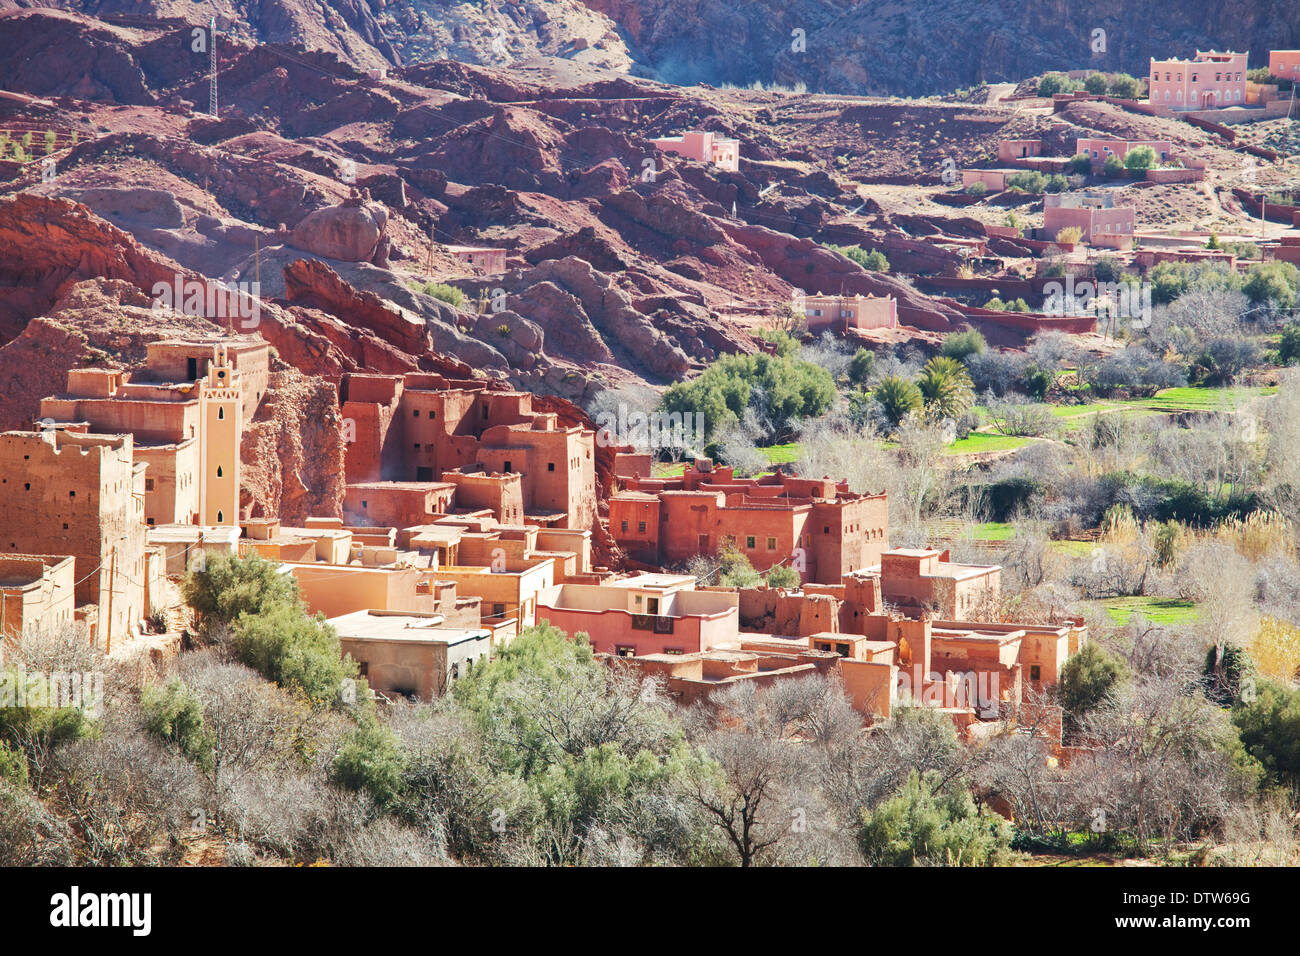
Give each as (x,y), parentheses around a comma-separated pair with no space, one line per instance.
(469,516)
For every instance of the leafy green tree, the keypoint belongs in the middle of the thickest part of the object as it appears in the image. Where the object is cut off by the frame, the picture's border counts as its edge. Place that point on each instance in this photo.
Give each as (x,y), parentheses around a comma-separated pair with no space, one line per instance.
(1052,83)
(1170,280)
(1097,84)
(1029,181)
(1080,164)
(1038,382)
(861,366)
(946,387)
(1126,87)
(230,586)
(786,344)
(1015,305)
(296,651)
(929,823)
(1088,678)
(370,760)
(1107,269)
(1269,726)
(575,744)
(781,389)
(1288,350)
(897,398)
(736,571)
(1113,166)
(783,576)
(1272,282)
(1140,159)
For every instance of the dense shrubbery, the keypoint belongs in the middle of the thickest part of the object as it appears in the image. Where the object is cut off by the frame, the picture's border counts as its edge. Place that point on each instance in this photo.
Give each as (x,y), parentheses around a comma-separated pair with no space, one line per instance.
(268,627)
(929,824)
(960,345)
(446,293)
(779,390)
(873,260)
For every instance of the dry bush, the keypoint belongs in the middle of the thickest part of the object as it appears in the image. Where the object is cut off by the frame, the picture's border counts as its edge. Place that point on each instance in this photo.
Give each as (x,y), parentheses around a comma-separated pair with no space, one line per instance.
(1275,649)
(1260,833)
(30,835)
(1261,534)
(1221,581)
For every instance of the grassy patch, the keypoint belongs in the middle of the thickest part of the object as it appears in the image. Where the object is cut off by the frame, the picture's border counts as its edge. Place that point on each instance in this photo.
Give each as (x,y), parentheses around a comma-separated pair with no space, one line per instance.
(783,454)
(1157,610)
(978,442)
(1201,399)
(1072,549)
(995,531)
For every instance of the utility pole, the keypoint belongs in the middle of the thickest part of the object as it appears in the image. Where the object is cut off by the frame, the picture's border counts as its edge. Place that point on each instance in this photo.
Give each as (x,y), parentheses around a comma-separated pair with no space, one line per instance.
(212,70)
(428,270)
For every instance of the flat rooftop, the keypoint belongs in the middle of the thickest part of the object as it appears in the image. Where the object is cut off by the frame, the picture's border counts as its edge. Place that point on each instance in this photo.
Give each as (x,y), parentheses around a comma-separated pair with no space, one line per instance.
(374,625)
(655,580)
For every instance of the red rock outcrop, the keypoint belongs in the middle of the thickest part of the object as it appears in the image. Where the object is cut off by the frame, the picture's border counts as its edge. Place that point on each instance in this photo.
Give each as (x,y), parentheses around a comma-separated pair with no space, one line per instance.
(352,231)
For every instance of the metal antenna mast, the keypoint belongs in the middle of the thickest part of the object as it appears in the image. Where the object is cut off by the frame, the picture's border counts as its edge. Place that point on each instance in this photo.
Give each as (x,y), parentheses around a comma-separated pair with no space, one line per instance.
(212,71)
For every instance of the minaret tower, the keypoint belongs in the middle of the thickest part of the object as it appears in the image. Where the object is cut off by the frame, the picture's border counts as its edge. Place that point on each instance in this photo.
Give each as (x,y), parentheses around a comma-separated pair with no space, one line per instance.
(220,428)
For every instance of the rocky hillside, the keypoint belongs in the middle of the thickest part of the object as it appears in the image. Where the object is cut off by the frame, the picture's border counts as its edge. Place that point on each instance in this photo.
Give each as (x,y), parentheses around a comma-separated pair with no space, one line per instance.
(836,46)
(336,194)
(917,47)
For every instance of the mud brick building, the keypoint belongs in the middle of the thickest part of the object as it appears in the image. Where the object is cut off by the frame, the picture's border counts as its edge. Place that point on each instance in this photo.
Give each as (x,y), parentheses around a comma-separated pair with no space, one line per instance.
(35,592)
(1009,149)
(816,526)
(1285,64)
(411,655)
(185,411)
(1099,149)
(642,615)
(924,580)
(840,313)
(1094,213)
(1210,81)
(484,259)
(703,147)
(420,427)
(81,495)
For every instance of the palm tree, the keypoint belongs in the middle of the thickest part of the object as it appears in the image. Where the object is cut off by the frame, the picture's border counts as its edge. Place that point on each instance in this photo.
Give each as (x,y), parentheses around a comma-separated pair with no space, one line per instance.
(897,398)
(946,388)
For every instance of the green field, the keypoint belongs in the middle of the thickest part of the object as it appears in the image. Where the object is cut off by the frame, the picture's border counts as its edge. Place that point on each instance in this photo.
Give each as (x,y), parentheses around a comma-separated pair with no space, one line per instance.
(663,469)
(1164,402)
(1157,610)
(978,442)
(1201,399)
(783,454)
